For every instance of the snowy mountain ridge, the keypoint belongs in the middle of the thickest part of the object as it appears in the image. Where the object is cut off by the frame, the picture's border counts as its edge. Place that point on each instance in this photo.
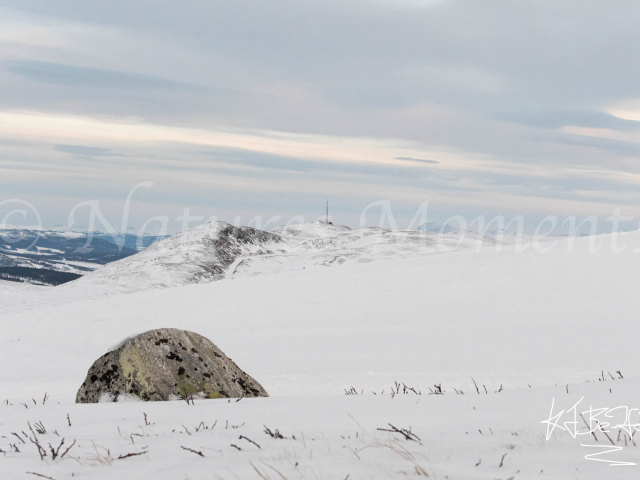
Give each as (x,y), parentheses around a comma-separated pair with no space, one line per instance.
(198,255)
(217,250)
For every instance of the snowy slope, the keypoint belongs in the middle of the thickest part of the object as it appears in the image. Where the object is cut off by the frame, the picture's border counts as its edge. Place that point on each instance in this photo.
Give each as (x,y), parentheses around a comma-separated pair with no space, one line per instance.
(15,291)
(319,244)
(198,255)
(537,323)
(501,317)
(216,251)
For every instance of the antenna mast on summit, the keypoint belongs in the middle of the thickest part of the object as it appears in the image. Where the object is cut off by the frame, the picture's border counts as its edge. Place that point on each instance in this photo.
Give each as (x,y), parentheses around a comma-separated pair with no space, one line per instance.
(327,211)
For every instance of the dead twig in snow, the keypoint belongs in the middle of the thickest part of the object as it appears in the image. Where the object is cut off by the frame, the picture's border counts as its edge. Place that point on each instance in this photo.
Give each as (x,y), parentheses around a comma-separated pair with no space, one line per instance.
(192,451)
(411,389)
(67,450)
(55,451)
(128,455)
(605,433)
(589,428)
(40,475)
(438,390)
(242,437)
(41,451)
(476,385)
(406,433)
(40,428)
(275,434)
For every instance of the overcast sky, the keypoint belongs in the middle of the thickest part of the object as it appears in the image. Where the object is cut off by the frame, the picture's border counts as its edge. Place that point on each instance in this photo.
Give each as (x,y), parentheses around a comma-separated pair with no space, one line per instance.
(269,107)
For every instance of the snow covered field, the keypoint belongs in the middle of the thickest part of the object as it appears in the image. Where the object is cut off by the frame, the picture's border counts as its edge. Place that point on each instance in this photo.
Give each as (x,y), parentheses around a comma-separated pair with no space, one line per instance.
(537,324)
(495,435)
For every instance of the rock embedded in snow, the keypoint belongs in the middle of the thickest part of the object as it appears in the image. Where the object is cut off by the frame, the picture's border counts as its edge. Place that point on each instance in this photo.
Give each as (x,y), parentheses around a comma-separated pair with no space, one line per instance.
(166,364)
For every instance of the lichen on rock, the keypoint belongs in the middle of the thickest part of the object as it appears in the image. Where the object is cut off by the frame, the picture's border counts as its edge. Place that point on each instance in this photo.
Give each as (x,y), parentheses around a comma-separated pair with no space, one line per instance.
(166,364)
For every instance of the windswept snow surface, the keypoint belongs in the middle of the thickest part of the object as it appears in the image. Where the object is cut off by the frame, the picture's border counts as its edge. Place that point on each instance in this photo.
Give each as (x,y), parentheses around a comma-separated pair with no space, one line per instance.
(537,323)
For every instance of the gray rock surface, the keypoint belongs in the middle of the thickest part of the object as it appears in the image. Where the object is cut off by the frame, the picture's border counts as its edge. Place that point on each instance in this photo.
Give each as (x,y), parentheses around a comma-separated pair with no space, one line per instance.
(166,364)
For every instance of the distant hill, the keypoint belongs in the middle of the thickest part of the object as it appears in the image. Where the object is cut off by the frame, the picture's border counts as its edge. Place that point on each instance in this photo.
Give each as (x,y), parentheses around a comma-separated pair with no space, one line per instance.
(40,253)
(218,250)
(198,255)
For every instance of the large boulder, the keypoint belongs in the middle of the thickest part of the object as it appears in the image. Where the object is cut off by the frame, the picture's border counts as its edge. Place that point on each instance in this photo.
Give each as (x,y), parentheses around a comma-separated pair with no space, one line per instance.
(166,364)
